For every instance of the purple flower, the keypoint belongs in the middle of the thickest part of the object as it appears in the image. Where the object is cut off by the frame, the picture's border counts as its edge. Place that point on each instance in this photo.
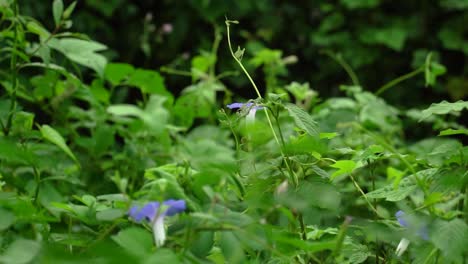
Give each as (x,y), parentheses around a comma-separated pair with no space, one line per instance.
(400,215)
(422,232)
(155,212)
(250,106)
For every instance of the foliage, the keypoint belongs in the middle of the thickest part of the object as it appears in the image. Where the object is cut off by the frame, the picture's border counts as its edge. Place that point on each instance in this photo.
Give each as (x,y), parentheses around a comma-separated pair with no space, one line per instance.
(307,179)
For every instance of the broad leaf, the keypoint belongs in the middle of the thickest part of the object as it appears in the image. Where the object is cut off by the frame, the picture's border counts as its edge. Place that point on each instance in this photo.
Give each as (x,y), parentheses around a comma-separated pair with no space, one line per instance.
(83,52)
(53,136)
(302,119)
(444,108)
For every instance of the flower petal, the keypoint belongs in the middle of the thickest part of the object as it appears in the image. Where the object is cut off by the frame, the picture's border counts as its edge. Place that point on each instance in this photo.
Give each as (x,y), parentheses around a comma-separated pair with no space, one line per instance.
(148,211)
(400,215)
(237,105)
(402,246)
(159,232)
(175,207)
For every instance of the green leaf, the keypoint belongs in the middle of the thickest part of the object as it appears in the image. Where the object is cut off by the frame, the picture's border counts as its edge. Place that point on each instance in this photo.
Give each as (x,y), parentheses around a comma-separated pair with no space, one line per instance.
(432,70)
(115,73)
(451,237)
(54,137)
(83,52)
(344,167)
(136,241)
(37,29)
(162,255)
(391,194)
(239,53)
(7,219)
(359,4)
(110,214)
(203,243)
(450,132)
(302,119)
(12,151)
(57,10)
(231,247)
(148,81)
(444,108)
(407,186)
(67,13)
(21,251)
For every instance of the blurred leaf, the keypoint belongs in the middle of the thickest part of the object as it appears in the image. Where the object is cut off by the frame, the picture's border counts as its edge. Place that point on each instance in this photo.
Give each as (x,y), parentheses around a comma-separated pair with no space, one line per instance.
(21,251)
(231,247)
(115,73)
(202,243)
(451,237)
(148,81)
(83,52)
(450,132)
(432,70)
(110,214)
(7,219)
(69,10)
(136,241)
(54,137)
(57,8)
(344,167)
(357,4)
(444,108)
(37,29)
(162,255)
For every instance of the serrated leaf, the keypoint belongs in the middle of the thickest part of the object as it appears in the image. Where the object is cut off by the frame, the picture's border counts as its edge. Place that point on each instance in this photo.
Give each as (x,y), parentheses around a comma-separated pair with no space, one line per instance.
(405,187)
(57,10)
(302,119)
(344,167)
(391,194)
(54,137)
(444,108)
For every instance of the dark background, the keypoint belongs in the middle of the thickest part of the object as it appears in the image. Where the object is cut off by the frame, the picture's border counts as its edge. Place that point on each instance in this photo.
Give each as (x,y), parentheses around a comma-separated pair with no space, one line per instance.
(380,39)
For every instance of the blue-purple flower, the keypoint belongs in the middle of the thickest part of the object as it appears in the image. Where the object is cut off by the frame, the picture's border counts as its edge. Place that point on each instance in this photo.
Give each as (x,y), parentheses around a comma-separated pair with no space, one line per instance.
(154,212)
(422,232)
(250,106)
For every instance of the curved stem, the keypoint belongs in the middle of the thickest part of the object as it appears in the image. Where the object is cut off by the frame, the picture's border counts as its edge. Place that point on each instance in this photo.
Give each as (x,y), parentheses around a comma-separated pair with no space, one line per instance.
(399,80)
(293,176)
(343,64)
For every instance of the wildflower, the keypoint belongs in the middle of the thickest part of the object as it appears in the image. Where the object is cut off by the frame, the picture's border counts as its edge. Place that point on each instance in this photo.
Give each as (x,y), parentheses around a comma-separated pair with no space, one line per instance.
(403,221)
(167,28)
(154,212)
(250,106)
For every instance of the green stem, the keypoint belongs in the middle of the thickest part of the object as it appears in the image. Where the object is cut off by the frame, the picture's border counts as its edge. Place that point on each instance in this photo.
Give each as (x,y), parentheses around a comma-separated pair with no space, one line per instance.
(399,80)
(175,72)
(341,236)
(343,64)
(293,176)
(14,72)
(364,195)
(214,49)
